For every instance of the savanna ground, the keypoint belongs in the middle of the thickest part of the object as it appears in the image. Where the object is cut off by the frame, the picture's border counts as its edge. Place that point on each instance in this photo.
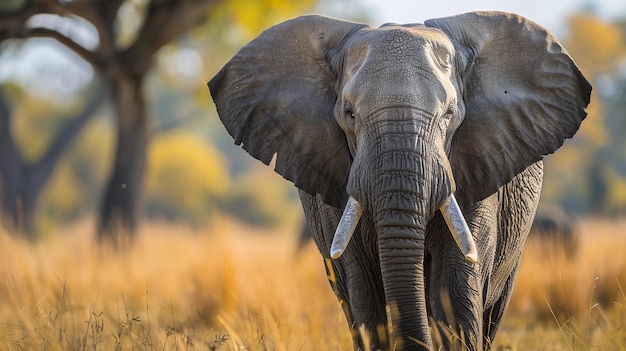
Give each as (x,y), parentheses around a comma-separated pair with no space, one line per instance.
(235,288)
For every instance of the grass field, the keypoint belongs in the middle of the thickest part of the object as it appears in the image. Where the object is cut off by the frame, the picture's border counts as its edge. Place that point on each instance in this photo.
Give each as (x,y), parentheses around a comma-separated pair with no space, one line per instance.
(231,287)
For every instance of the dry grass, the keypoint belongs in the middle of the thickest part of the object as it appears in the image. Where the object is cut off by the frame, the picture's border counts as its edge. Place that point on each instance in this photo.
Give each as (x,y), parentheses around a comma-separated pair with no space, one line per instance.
(572,304)
(231,288)
(176,289)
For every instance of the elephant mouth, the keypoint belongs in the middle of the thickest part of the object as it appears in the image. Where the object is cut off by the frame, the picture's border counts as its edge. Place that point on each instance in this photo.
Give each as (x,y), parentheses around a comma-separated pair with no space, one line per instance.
(449,209)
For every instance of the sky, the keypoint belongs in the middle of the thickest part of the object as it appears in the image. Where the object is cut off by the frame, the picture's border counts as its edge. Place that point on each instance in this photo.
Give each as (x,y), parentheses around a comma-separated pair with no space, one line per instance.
(551,14)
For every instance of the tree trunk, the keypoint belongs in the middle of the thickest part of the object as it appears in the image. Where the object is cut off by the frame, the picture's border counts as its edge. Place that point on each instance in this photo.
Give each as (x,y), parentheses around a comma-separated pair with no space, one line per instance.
(9,169)
(18,198)
(21,184)
(118,213)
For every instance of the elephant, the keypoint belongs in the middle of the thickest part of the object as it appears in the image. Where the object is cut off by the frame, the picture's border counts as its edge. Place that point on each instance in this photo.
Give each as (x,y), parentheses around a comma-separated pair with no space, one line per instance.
(555,231)
(417,153)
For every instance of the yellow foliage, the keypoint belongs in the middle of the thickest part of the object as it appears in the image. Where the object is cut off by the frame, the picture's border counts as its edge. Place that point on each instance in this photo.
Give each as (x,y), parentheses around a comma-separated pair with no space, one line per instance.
(562,172)
(35,123)
(184,172)
(617,188)
(73,187)
(94,148)
(596,46)
(271,196)
(593,129)
(249,17)
(63,194)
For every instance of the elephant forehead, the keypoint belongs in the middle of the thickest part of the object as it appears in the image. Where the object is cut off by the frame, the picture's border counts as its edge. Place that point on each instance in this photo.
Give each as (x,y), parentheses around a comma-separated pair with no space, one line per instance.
(395,66)
(397,87)
(402,44)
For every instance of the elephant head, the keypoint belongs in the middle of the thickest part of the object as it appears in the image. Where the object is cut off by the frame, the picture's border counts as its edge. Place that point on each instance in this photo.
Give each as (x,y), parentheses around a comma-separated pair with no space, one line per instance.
(399,118)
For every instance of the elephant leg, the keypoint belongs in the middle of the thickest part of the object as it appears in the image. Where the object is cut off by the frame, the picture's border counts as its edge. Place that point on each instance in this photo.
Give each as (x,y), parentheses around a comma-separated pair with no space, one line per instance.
(358,288)
(493,315)
(519,200)
(365,287)
(355,277)
(336,277)
(455,286)
(455,302)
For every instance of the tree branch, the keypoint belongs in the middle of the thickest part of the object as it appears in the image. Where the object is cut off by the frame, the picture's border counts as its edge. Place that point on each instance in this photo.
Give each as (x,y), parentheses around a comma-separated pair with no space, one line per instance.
(13,23)
(81,51)
(166,21)
(101,14)
(103,17)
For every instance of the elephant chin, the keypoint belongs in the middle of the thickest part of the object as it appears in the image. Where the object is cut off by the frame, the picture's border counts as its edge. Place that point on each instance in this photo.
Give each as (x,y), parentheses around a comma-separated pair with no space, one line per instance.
(449,209)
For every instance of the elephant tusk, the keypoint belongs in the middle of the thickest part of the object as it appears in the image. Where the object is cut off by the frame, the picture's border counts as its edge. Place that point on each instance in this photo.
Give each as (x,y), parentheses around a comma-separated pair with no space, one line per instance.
(349,220)
(459,229)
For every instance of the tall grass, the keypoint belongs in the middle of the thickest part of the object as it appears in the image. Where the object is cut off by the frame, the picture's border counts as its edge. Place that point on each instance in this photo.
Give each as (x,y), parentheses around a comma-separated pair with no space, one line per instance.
(231,287)
(582,296)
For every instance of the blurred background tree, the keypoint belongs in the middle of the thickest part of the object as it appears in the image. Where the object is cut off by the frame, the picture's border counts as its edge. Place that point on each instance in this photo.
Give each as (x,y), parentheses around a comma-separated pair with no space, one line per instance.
(116,85)
(176,161)
(120,41)
(588,175)
(32,141)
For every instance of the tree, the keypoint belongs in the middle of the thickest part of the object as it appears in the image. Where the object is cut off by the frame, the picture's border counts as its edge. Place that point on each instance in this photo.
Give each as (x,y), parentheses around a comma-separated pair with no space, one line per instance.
(20,180)
(589,173)
(123,58)
(186,177)
(123,37)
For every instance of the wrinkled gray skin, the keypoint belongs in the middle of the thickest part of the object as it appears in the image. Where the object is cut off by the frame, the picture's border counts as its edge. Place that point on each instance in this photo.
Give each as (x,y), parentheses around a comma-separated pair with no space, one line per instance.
(400,117)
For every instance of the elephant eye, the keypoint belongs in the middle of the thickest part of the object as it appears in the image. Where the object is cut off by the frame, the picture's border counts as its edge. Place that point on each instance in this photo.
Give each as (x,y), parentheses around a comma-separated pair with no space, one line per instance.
(350,118)
(349,112)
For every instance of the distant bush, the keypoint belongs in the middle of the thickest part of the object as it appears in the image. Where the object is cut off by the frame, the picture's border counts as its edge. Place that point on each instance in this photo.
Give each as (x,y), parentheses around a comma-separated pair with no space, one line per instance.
(186,178)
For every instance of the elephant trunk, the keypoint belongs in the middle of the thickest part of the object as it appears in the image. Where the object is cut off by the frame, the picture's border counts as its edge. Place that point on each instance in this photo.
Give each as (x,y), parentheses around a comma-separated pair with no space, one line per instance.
(401,263)
(400,175)
(406,185)
(401,215)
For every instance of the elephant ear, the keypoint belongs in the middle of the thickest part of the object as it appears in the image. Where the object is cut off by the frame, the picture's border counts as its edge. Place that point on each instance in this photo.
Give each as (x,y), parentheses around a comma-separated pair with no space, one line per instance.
(276,97)
(523,97)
